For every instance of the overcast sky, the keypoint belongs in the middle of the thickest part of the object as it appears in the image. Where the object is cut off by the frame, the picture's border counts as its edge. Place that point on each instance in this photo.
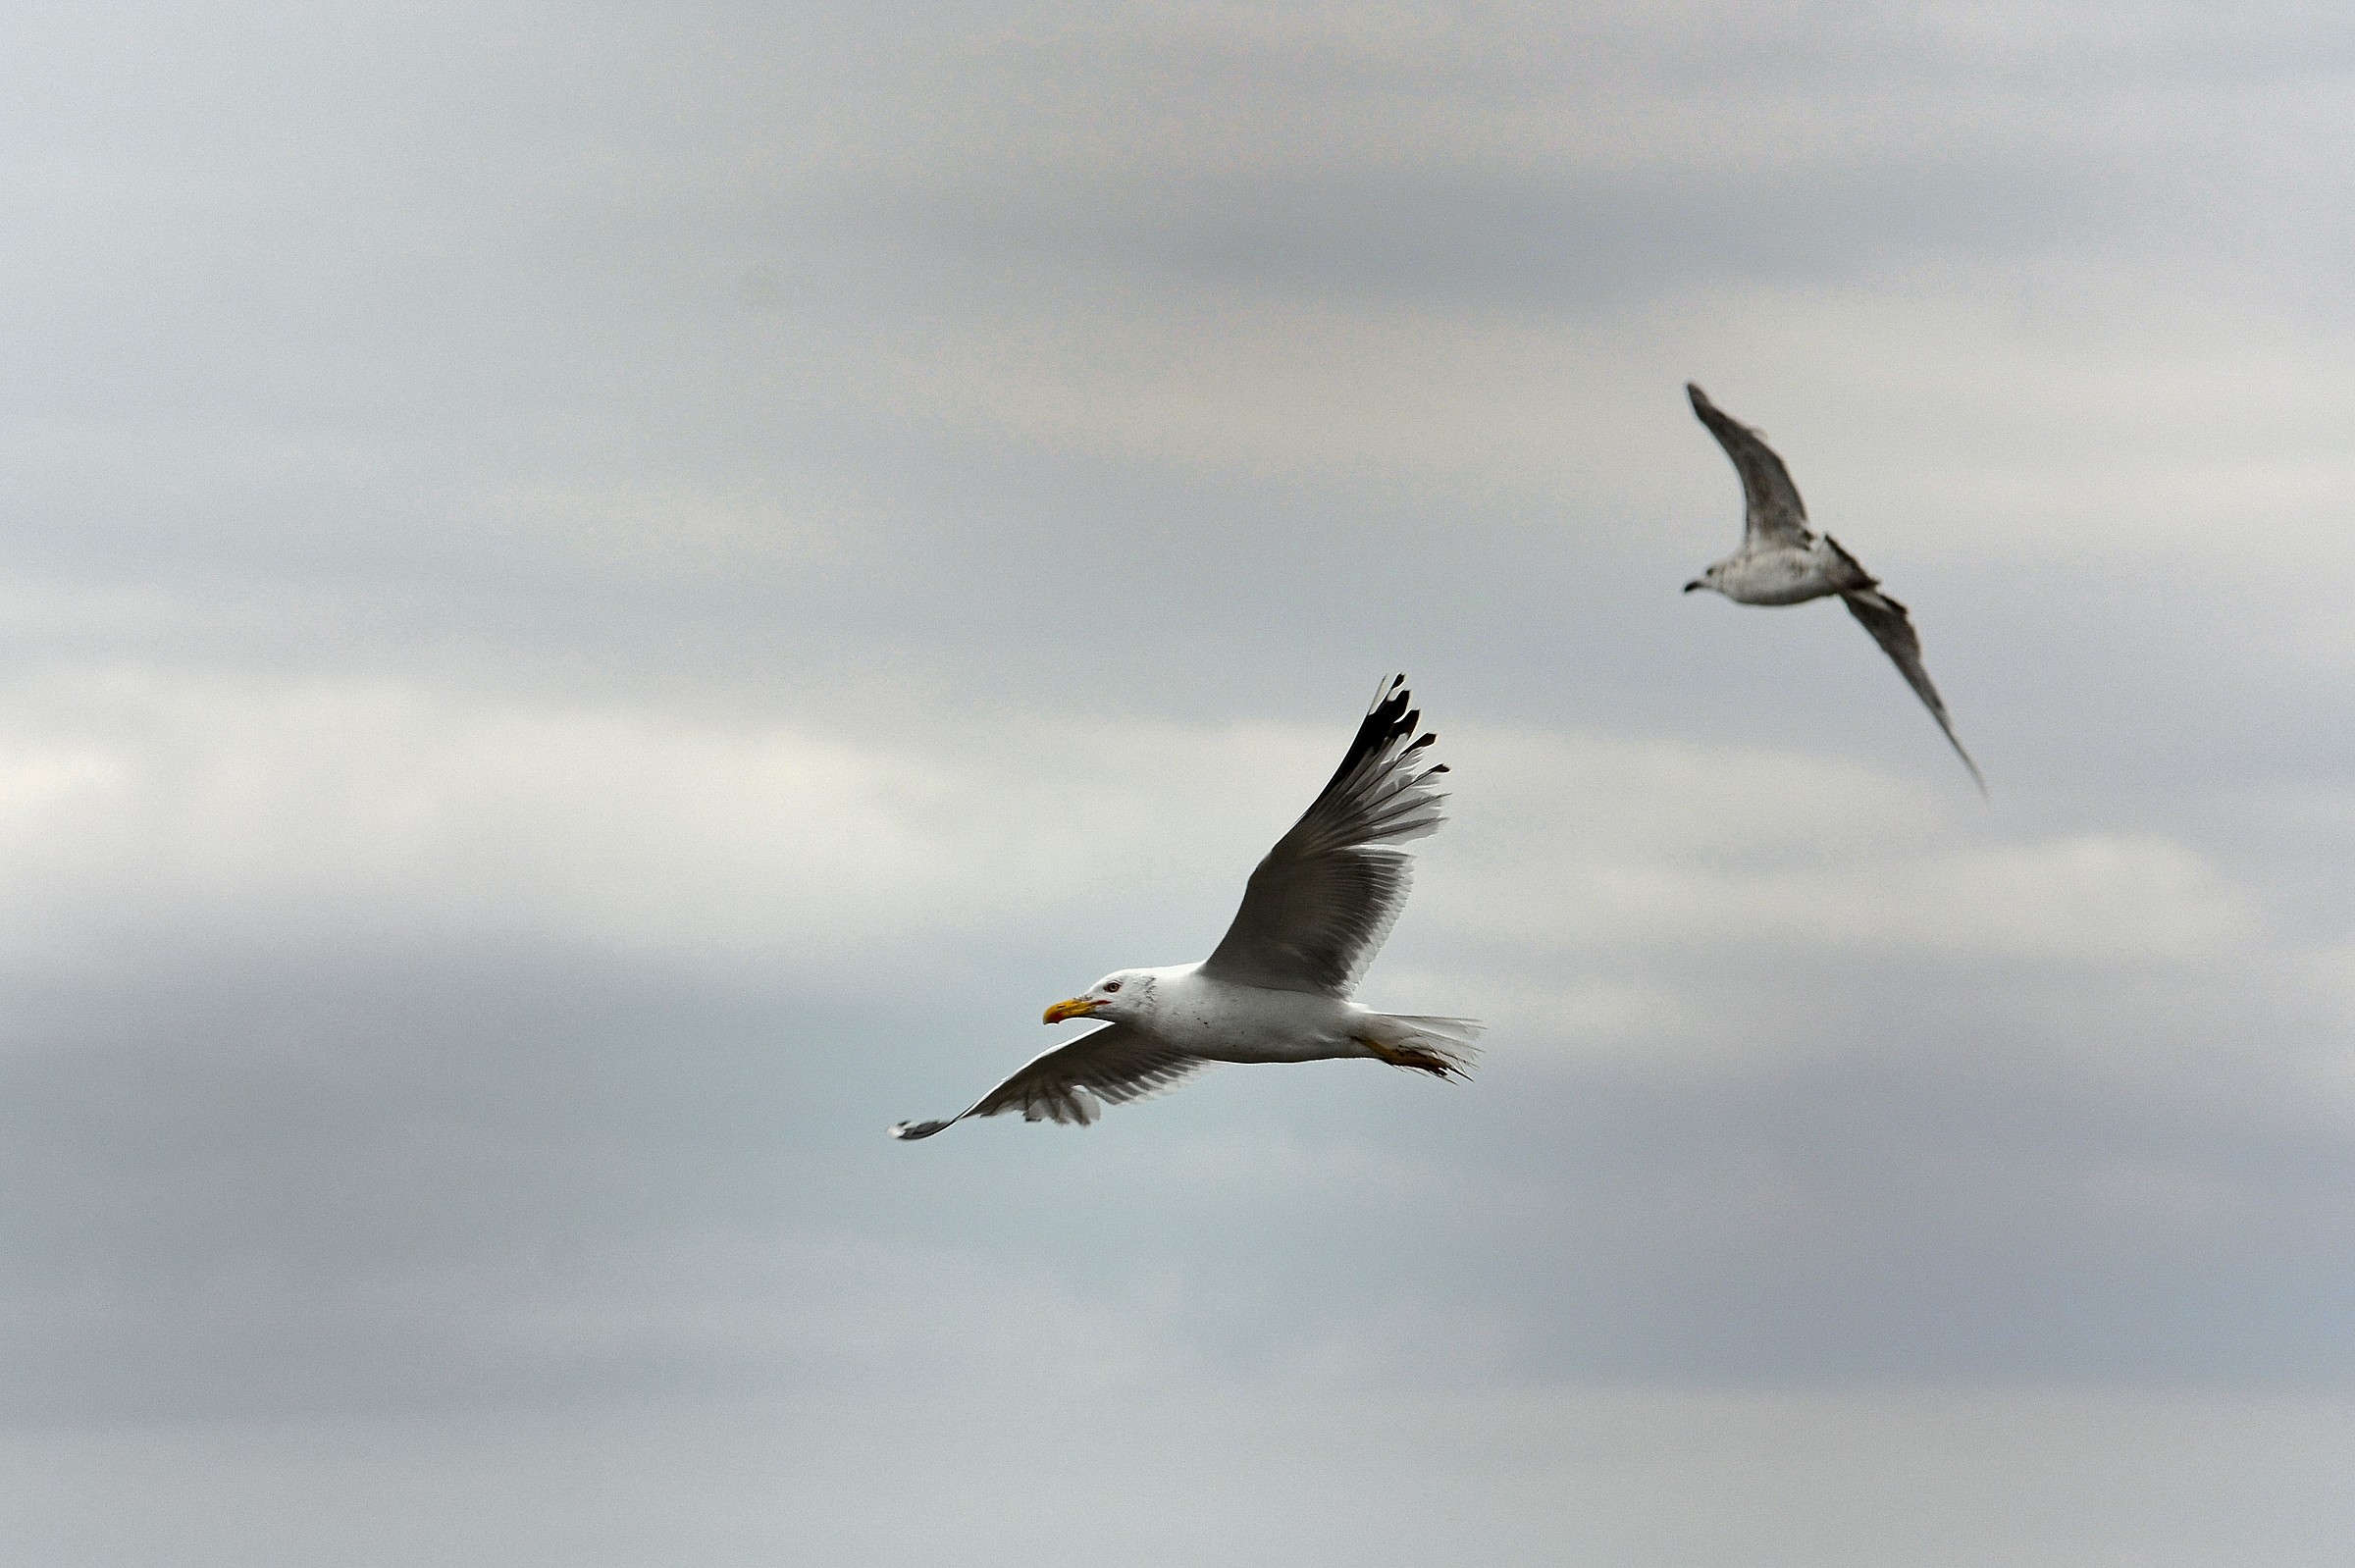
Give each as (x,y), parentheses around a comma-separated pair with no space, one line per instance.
(599,602)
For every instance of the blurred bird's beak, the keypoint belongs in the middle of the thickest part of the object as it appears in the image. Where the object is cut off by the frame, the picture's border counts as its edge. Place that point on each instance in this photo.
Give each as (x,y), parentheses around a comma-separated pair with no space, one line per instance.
(1078,1006)
(1695,583)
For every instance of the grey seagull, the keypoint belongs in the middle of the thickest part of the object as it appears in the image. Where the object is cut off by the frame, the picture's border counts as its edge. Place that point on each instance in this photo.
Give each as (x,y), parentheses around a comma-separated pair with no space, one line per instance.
(1782,561)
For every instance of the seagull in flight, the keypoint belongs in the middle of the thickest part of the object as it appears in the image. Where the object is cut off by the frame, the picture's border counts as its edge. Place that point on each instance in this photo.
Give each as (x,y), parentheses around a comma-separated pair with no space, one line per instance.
(1782,561)
(1276,986)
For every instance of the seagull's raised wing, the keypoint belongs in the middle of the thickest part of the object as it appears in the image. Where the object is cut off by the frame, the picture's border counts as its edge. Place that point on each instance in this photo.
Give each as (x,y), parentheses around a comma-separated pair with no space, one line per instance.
(1319,904)
(1114,1065)
(1773,513)
(1893,629)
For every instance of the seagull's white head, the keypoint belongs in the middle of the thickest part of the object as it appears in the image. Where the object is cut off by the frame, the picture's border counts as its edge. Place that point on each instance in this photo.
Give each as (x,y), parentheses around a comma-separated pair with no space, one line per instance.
(1124,994)
(1708,579)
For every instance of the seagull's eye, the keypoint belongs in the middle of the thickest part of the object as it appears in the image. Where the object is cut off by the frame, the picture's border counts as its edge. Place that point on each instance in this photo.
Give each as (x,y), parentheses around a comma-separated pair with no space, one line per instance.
(1111,986)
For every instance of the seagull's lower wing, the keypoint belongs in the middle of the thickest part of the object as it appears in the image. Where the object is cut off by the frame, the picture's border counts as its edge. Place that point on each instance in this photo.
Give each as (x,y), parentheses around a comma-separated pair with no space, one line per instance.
(1891,627)
(1112,1065)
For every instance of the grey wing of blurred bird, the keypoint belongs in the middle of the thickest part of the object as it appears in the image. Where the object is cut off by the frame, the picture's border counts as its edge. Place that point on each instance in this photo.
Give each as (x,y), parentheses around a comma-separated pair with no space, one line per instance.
(1891,627)
(1319,904)
(1772,513)
(1112,1065)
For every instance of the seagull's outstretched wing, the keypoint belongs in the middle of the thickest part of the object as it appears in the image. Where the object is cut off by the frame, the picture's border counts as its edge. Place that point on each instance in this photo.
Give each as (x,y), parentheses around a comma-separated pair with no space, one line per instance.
(1893,629)
(1773,513)
(1114,1065)
(1319,904)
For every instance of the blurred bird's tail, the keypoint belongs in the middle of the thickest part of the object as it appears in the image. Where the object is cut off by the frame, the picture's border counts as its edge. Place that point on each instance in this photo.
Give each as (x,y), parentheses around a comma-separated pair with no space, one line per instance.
(1853,578)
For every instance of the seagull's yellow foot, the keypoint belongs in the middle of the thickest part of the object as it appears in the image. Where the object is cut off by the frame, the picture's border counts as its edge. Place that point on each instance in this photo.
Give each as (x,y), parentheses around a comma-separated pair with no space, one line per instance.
(1414,1056)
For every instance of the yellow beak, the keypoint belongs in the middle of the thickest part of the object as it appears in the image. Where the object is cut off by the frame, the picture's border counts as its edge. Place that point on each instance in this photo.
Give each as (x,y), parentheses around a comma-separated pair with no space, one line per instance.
(1078,1006)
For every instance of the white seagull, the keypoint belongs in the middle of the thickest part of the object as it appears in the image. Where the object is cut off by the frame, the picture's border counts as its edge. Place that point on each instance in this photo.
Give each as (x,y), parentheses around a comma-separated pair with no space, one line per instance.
(1276,986)
(1780,562)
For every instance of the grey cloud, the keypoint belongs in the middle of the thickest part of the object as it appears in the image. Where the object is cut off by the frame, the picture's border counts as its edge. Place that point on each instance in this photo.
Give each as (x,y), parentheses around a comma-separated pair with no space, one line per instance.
(444,1178)
(1644,1477)
(1575,242)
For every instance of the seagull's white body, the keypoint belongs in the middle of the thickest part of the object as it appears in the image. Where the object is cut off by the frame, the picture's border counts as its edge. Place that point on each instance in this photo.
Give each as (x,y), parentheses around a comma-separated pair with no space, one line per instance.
(1784,562)
(1276,987)
(1787,574)
(1220,1021)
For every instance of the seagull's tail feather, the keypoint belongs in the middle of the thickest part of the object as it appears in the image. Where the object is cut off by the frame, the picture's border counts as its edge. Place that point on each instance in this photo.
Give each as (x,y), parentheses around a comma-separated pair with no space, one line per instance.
(1860,581)
(1458,1032)
(1446,1041)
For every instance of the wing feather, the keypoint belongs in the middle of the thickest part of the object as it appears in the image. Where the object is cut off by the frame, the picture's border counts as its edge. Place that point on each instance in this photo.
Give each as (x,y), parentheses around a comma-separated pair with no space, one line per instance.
(1773,513)
(1319,904)
(1072,1083)
(1891,627)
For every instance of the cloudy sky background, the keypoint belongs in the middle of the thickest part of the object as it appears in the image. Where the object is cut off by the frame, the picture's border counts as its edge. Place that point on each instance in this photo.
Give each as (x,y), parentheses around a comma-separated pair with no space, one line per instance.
(602,601)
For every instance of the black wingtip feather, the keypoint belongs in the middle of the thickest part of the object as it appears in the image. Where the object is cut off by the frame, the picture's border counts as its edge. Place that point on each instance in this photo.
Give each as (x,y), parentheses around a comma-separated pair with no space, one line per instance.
(1389,718)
